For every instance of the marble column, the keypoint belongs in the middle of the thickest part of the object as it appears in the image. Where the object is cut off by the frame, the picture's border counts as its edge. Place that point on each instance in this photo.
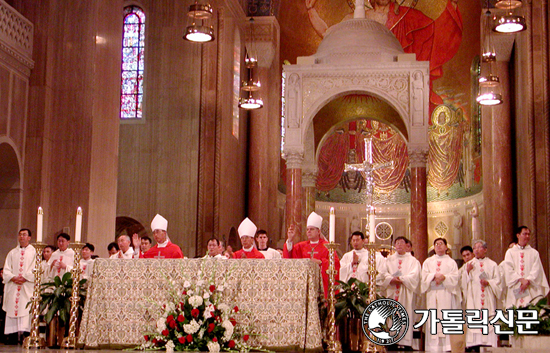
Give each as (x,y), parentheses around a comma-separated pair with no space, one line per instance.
(265,130)
(419,202)
(499,227)
(294,191)
(308,183)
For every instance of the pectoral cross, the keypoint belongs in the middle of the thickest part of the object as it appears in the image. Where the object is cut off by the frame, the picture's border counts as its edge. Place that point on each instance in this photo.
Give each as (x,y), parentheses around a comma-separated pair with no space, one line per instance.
(159,256)
(367,168)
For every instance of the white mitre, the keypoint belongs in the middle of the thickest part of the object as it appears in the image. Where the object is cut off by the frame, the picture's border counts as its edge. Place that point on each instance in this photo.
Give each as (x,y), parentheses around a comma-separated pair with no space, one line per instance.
(247,228)
(314,220)
(159,222)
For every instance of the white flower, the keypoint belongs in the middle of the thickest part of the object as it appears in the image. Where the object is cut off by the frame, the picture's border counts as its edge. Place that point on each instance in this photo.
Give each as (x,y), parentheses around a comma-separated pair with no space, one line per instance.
(228,326)
(224,307)
(201,333)
(170,307)
(206,295)
(220,288)
(213,347)
(192,327)
(186,284)
(161,324)
(170,346)
(195,301)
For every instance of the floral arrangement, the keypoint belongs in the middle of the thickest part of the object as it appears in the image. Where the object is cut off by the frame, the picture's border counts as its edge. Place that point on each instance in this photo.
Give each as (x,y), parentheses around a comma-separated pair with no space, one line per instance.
(198,318)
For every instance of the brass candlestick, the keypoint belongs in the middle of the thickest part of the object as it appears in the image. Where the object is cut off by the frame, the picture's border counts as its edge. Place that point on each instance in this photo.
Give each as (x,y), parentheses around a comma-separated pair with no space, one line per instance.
(34,340)
(70,341)
(369,346)
(334,346)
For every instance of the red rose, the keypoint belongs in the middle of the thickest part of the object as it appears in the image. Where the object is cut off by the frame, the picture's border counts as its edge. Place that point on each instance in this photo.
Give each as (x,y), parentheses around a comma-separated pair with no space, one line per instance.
(146,337)
(181,318)
(184,292)
(236,309)
(245,338)
(233,321)
(214,339)
(231,344)
(189,338)
(211,327)
(181,340)
(212,288)
(182,305)
(195,312)
(154,341)
(169,318)
(165,332)
(172,324)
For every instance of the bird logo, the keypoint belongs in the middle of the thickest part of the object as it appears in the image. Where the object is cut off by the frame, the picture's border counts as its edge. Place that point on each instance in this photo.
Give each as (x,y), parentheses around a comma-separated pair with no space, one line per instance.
(384,320)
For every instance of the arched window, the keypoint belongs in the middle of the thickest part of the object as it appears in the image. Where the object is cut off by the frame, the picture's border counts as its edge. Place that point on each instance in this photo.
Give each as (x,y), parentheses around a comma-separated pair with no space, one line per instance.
(133,44)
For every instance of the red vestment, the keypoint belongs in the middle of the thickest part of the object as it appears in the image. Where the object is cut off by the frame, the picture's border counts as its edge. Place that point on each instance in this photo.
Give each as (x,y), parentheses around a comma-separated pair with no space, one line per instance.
(254,254)
(307,250)
(170,251)
(434,41)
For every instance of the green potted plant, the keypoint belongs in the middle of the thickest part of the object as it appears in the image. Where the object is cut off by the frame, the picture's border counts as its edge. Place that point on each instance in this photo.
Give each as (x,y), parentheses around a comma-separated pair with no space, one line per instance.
(351,301)
(542,339)
(55,299)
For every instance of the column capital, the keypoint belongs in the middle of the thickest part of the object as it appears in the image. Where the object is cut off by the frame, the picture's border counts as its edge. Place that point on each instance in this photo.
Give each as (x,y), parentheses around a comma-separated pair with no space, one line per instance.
(294,159)
(418,156)
(309,178)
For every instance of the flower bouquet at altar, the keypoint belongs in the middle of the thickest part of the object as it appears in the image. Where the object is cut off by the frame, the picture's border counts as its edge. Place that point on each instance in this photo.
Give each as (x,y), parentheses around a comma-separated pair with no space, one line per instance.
(198,317)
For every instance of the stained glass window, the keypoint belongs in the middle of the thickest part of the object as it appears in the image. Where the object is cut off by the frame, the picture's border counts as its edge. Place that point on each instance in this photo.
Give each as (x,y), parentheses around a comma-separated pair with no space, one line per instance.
(133,44)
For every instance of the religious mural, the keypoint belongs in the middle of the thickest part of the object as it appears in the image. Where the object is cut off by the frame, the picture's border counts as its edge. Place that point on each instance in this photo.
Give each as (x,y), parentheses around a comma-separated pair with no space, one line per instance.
(443,32)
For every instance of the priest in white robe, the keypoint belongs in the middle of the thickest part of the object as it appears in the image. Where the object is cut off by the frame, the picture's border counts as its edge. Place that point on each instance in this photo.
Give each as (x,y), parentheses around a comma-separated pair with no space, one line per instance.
(126,251)
(402,281)
(351,260)
(482,288)
(440,284)
(18,285)
(523,271)
(87,263)
(62,259)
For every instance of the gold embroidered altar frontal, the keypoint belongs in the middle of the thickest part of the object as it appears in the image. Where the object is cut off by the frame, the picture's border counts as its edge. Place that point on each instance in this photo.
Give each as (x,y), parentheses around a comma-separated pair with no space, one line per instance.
(279,297)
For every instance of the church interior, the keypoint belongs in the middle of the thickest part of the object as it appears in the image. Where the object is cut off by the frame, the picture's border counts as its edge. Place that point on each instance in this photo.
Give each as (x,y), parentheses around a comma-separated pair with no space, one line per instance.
(105,106)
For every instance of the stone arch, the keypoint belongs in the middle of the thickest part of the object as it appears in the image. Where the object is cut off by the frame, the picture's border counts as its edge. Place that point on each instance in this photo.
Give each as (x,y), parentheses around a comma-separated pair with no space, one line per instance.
(129,226)
(11,193)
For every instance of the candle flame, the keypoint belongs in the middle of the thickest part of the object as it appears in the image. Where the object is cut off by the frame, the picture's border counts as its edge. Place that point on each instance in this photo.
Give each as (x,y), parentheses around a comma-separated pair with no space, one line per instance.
(40,210)
(79,210)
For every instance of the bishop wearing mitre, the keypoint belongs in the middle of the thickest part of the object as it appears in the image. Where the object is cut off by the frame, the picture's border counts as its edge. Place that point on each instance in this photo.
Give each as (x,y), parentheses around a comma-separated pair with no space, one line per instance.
(313,248)
(164,249)
(247,230)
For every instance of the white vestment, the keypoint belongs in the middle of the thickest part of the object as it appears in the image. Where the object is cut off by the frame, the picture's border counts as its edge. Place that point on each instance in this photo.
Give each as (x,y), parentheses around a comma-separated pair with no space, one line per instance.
(86,266)
(478,297)
(363,276)
(20,261)
(442,296)
(67,257)
(129,254)
(270,253)
(524,263)
(347,270)
(407,268)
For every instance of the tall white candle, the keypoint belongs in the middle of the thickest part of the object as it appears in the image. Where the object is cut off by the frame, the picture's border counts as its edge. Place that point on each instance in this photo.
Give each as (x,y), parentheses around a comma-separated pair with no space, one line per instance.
(332,226)
(372,226)
(39,224)
(78,228)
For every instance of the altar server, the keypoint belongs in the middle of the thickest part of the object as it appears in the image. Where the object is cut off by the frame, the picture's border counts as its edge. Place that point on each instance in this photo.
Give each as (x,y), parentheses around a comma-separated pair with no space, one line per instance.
(313,248)
(247,230)
(87,263)
(18,281)
(263,240)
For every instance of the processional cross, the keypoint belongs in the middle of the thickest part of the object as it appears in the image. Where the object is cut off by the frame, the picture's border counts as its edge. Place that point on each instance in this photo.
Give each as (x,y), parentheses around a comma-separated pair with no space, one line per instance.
(367,168)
